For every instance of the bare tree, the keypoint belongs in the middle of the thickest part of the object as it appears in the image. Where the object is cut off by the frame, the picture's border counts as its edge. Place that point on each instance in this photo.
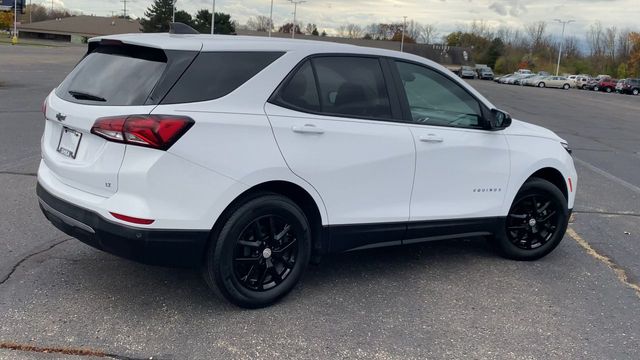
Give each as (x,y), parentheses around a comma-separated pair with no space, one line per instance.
(259,23)
(537,33)
(624,45)
(427,33)
(595,38)
(610,36)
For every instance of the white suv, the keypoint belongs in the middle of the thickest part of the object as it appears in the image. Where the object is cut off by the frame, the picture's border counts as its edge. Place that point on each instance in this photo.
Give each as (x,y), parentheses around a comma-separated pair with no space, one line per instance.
(251,157)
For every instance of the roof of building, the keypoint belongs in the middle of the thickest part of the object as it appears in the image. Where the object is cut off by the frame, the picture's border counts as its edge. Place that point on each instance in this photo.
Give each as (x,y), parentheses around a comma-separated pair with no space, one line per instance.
(83,25)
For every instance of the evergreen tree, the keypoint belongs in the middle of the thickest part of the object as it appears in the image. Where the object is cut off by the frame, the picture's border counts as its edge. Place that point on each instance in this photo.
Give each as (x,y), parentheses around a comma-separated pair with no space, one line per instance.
(202,23)
(158,16)
(184,17)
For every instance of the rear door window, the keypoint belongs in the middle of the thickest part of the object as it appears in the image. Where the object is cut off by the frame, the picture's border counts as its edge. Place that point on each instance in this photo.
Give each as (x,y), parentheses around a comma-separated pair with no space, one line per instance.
(114,75)
(352,86)
(213,75)
(347,86)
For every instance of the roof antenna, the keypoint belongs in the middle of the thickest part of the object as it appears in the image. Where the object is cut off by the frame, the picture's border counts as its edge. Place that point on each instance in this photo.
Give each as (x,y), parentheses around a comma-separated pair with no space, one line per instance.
(180,28)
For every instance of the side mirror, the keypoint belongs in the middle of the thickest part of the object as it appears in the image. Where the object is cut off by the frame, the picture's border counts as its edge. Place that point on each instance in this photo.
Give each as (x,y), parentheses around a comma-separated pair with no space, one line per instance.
(500,120)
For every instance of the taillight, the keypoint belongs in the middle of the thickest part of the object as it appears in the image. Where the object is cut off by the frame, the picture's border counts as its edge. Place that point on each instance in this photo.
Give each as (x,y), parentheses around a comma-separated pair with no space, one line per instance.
(154,131)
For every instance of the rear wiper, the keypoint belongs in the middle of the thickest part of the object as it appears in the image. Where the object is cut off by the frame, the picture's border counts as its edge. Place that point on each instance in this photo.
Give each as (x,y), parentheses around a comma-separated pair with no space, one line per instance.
(84,96)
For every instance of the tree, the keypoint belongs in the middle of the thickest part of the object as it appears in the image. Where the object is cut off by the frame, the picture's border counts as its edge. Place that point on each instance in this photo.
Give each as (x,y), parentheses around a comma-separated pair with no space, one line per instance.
(427,33)
(288,28)
(158,16)
(6,20)
(38,13)
(310,29)
(634,58)
(496,49)
(259,23)
(184,17)
(324,33)
(407,39)
(224,25)
(202,21)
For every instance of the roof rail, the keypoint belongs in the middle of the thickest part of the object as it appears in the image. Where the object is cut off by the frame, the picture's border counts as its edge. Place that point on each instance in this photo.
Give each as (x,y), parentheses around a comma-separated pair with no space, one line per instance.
(180,28)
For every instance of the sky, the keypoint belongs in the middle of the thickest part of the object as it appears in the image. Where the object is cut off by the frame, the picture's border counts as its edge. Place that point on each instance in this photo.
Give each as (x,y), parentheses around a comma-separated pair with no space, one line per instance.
(446,15)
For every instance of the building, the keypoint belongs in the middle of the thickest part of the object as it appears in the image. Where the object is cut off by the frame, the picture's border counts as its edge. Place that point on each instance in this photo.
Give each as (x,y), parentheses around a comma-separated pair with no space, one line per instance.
(77,29)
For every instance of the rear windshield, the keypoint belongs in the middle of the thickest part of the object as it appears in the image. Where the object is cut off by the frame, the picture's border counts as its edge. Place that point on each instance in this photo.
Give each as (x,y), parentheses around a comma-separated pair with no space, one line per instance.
(114,75)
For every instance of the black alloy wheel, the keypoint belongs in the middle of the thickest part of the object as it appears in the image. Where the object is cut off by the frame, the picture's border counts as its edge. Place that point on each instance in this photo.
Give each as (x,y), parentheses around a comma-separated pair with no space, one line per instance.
(260,252)
(536,222)
(533,220)
(265,254)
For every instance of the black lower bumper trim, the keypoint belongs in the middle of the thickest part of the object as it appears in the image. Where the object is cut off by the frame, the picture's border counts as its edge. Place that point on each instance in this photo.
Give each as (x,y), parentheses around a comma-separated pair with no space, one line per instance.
(183,248)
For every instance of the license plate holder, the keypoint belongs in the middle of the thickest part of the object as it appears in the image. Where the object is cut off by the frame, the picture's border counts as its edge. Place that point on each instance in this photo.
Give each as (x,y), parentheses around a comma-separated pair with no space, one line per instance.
(69,142)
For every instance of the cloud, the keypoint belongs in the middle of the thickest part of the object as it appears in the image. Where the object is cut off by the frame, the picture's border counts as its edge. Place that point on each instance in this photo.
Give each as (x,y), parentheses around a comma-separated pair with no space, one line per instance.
(499,8)
(508,7)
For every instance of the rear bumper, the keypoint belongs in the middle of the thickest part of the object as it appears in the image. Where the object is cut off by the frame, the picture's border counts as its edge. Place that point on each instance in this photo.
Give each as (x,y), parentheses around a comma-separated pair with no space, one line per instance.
(150,246)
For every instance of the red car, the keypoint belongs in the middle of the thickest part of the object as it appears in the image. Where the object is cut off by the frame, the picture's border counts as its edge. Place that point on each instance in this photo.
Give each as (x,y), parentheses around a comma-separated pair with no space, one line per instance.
(608,85)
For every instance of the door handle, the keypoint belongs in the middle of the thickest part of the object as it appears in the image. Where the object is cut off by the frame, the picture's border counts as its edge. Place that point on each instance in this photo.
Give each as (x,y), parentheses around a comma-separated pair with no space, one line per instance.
(431,138)
(307,129)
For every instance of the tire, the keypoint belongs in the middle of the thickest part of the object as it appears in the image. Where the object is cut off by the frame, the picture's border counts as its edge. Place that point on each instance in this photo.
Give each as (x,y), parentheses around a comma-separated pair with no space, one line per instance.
(541,85)
(595,88)
(260,253)
(566,86)
(635,92)
(608,90)
(523,237)
(585,87)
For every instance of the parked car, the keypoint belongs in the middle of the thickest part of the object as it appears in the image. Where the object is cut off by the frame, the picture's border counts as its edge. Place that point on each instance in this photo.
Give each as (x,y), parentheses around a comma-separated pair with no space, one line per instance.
(532,81)
(582,82)
(522,79)
(593,83)
(606,85)
(628,86)
(554,82)
(467,72)
(523,71)
(250,158)
(485,74)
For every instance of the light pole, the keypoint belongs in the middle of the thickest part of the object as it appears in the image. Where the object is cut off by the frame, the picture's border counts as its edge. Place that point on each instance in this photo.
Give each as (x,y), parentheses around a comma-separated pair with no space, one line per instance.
(271,19)
(295,12)
(213,17)
(404,25)
(173,10)
(564,23)
(14,39)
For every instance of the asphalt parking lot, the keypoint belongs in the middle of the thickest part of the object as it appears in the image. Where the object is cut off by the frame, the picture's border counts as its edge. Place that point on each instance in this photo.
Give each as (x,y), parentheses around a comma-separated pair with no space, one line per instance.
(448,300)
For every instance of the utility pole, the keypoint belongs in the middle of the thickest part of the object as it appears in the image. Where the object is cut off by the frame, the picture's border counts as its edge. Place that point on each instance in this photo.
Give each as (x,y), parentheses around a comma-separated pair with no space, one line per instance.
(213,18)
(271,19)
(295,12)
(564,23)
(404,25)
(124,10)
(173,12)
